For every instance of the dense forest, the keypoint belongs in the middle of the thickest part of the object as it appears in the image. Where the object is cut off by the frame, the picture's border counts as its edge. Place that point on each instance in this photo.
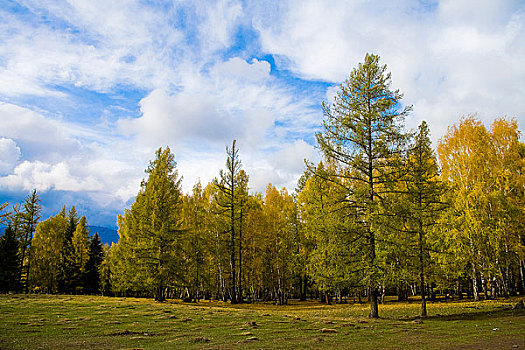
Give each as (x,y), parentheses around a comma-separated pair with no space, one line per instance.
(382,214)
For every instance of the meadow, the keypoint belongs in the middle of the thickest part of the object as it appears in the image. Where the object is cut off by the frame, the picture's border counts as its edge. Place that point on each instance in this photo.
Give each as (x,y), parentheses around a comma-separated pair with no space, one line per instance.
(94,322)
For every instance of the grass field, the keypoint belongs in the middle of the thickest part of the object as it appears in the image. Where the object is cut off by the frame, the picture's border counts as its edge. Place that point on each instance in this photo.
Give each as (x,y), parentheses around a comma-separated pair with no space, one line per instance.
(88,322)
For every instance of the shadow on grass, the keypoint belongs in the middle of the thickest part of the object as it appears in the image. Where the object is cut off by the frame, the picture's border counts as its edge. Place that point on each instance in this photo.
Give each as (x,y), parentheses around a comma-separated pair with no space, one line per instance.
(477,315)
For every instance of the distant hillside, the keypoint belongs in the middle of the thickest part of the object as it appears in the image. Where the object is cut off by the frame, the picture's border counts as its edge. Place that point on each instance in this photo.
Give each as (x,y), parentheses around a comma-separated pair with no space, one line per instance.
(107,235)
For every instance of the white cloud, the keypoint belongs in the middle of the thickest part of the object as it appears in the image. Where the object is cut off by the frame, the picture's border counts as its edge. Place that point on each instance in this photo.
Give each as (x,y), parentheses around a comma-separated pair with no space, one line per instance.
(291,157)
(220,20)
(240,69)
(204,88)
(449,58)
(234,100)
(42,176)
(37,136)
(9,155)
(101,45)
(175,118)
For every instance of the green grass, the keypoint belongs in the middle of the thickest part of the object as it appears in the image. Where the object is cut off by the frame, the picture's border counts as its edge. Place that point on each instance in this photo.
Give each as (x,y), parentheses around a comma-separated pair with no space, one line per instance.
(88,322)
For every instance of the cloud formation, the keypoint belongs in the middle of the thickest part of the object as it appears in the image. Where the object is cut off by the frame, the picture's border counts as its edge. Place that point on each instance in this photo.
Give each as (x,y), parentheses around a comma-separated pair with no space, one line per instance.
(88,90)
(449,57)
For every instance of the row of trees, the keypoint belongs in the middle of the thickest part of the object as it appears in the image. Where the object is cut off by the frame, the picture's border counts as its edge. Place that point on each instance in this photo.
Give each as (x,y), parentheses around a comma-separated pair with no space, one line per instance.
(53,256)
(379,215)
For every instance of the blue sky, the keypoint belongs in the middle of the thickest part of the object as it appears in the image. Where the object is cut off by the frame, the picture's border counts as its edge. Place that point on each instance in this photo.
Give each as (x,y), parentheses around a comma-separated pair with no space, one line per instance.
(89,89)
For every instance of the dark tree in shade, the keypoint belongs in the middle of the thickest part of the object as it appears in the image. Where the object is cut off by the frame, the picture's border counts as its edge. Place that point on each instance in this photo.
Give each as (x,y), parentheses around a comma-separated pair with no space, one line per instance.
(96,256)
(9,260)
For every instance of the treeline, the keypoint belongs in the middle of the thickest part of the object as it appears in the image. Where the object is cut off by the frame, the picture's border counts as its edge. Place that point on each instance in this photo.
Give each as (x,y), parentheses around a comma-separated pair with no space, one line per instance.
(380,215)
(56,255)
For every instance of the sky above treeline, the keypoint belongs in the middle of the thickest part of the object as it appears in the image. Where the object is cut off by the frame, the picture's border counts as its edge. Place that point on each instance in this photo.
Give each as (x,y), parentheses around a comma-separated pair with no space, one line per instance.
(89,89)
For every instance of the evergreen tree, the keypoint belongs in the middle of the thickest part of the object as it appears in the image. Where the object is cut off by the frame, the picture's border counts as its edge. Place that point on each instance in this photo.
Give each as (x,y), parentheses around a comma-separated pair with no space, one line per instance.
(96,256)
(29,217)
(68,275)
(4,217)
(424,190)
(362,134)
(149,255)
(331,232)
(80,247)
(9,260)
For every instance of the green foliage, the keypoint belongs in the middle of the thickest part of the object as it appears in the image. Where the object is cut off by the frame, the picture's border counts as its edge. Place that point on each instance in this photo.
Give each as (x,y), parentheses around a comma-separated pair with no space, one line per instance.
(92,267)
(378,215)
(424,203)
(149,249)
(484,170)
(331,233)
(26,223)
(9,260)
(230,198)
(363,138)
(47,254)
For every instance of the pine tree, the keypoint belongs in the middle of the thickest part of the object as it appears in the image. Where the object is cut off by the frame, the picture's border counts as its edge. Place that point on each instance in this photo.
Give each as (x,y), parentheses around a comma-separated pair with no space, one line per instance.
(362,134)
(96,256)
(9,260)
(331,230)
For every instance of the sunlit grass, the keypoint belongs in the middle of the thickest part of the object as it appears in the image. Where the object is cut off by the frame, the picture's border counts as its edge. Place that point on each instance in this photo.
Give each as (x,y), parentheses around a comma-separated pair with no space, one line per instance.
(90,322)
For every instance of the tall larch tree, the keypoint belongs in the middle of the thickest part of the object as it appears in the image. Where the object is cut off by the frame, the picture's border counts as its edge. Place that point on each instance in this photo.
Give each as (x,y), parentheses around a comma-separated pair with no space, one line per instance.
(29,217)
(152,228)
(362,134)
(80,245)
(67,277)
(230,194)
(424,190)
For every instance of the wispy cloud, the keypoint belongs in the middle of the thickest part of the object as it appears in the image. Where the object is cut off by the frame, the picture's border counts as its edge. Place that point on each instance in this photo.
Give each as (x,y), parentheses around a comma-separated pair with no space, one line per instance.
(90,88)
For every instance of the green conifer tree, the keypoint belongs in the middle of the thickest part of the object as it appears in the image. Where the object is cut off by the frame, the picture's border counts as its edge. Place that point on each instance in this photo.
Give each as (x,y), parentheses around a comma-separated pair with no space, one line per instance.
(150,244)
(96,256)
(424,199)
(9,260)
(362,134)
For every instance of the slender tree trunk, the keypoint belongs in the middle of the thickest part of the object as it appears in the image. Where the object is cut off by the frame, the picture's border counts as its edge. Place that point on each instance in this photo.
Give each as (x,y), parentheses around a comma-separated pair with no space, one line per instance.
(305,287)
(233,287)
(522,275)
(222,285)
(422,269)
(484,286)
(473,252)
(475,282)
(374,308)
(239,279)
(20,283)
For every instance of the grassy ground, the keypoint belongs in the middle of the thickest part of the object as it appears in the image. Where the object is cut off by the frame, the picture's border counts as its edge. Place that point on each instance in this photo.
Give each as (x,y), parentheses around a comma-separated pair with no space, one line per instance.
(86,322)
